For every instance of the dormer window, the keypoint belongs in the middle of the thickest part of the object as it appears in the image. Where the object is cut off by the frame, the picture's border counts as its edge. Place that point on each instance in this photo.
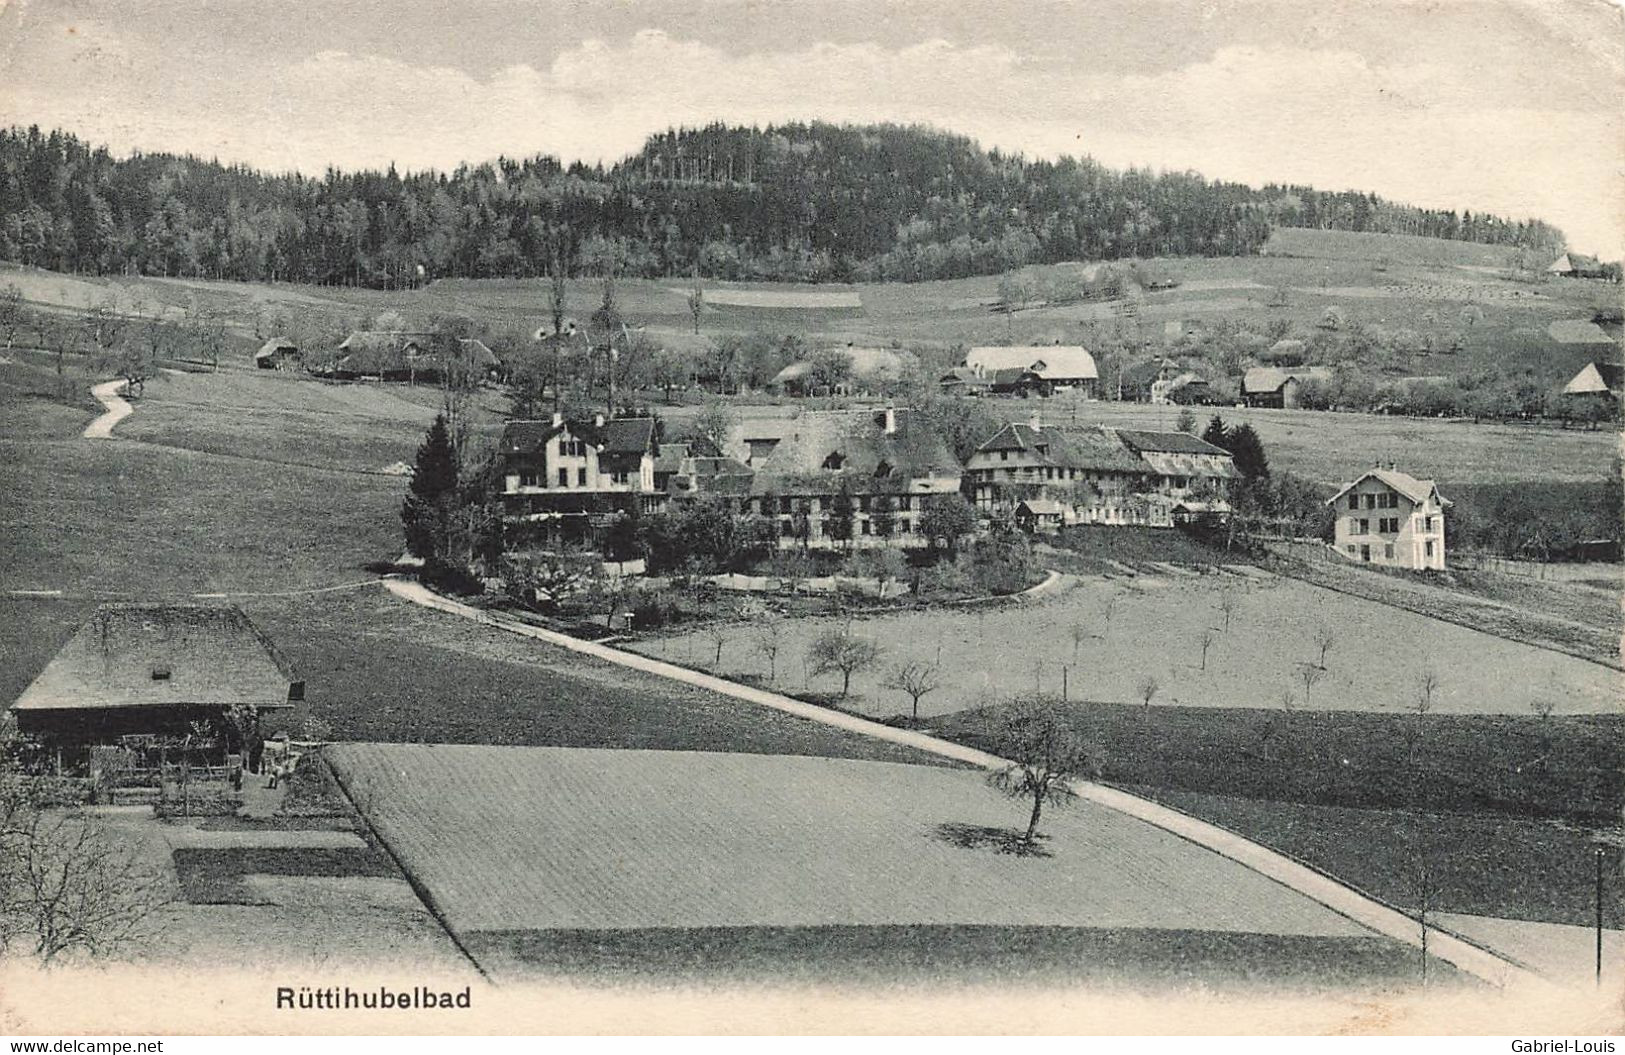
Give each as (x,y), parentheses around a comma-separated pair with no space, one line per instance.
(160,673)
(883,469)
(835,460)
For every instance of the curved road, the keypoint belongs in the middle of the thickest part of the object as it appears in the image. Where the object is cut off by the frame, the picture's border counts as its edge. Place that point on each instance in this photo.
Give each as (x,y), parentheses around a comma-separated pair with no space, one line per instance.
(118,408)
(1466,956)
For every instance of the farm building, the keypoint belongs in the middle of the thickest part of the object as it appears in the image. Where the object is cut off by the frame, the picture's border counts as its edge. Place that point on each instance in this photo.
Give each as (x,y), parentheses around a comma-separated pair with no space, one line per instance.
(1390,518)
(1097,475)
(1576,265)
(1039,516)
(1185,388)
(1135,382)
(864,371)
(154,669)
(1274,386)
(397,355)
(1055,366)
(1597,379)
(571,476)
(278,353)
(963,381)
(1181,465)
(842,477)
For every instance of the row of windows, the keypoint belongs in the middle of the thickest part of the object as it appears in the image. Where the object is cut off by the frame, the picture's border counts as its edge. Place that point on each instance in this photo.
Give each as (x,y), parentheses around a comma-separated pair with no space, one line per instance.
(818,503)
(787,528)
(1386,500)
(1388,550)
(532,478)
(1385,525)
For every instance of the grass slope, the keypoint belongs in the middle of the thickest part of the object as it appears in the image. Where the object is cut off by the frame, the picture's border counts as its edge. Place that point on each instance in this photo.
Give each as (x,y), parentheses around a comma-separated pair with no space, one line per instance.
(379,668)
(653,863)
(1560,769)
(1477,864)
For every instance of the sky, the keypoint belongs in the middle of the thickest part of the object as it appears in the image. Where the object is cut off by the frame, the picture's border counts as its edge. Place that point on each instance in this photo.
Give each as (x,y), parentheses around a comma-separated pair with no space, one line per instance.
(1510,106)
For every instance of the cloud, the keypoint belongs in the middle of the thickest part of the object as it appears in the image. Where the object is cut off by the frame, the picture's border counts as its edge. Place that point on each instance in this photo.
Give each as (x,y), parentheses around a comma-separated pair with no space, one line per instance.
(1421,131)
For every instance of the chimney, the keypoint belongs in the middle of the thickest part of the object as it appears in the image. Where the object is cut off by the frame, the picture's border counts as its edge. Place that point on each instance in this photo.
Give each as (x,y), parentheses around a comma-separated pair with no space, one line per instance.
(558,419)
(1037,420)
(891,419)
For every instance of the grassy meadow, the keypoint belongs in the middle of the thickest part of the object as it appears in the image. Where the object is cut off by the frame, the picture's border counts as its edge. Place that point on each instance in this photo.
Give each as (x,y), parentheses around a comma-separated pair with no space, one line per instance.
(716,860)
(1112,633)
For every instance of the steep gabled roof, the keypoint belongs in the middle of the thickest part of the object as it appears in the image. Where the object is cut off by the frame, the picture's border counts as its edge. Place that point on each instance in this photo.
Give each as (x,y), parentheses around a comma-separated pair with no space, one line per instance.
(1094,449)
(1596,377)
(145,655)
(275,345)
(1051,362)
(670,457)
(1416,490)
(860,444)
(618,436)
(1170,442)
(1260,379)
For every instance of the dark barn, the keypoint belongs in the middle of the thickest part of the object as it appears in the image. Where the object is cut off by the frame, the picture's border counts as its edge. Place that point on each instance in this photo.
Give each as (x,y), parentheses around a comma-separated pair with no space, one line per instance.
(154,669)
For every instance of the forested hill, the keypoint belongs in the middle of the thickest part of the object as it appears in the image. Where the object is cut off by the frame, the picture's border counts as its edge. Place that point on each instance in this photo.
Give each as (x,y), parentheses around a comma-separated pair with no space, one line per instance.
(812,202)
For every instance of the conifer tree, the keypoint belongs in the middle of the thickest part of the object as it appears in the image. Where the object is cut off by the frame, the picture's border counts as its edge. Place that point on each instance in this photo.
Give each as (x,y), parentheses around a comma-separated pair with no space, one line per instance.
(433,491)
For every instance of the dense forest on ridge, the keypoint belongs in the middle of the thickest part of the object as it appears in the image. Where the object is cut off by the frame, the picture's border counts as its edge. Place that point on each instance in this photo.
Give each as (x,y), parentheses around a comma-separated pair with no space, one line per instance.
(796,202)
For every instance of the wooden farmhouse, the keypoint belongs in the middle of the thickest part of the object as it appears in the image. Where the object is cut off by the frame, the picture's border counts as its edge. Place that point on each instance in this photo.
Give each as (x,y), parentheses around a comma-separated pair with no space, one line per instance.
(1039,369)
(154,669)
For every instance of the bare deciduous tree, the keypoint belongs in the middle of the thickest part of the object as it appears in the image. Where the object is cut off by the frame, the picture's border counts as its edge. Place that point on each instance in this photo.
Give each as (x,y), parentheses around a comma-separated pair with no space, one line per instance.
(917,679)
(1228,603)
(1045,755)
(1325,638)
(1310,674)
(1080,634)
(769,640)
(66,886)
(1427,687)
(717,633)
(1206,642)
(1147,690)
(841,651)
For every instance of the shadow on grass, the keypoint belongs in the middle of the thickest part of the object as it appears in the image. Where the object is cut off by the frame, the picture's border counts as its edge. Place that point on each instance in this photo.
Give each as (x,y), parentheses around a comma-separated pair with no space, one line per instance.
(214,875)
(981,836)
(930,954)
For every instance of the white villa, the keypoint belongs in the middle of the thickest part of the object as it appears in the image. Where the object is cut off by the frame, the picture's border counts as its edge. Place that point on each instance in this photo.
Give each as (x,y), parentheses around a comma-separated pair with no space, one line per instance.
(1390,518)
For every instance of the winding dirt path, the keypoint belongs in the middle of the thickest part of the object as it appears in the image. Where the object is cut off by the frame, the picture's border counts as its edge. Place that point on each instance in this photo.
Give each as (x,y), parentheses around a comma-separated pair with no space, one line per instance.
(118,408)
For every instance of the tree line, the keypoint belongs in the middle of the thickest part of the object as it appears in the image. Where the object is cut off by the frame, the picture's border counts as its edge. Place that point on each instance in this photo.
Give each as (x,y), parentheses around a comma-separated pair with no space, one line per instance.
(794,202)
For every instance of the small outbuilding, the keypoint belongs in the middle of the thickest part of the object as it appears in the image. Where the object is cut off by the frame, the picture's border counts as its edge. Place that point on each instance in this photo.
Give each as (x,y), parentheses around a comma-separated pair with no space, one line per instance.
(278,353)
(1040,516)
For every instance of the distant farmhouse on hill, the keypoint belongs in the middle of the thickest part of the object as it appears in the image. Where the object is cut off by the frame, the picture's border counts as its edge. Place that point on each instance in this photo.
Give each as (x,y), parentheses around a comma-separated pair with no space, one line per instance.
(861,371)
(278,353)
(1035,369)
(1274,386)
(399,355)
(1597,379)
(1576,265)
